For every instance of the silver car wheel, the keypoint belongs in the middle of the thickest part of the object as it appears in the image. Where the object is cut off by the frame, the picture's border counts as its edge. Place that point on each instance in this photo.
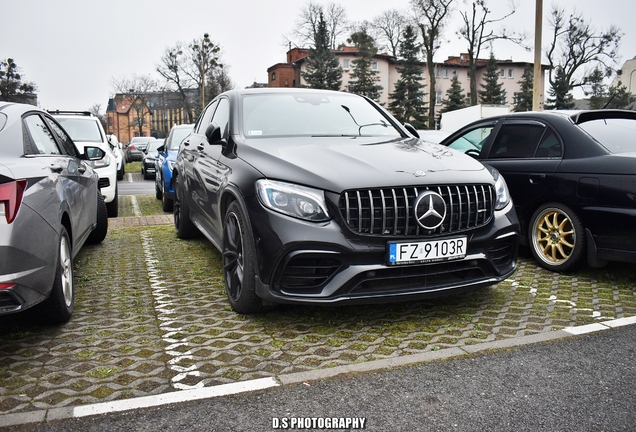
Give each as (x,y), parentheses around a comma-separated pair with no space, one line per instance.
(66,264)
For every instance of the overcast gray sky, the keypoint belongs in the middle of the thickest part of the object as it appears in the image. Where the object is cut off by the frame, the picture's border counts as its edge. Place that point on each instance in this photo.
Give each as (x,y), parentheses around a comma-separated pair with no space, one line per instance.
(72,49)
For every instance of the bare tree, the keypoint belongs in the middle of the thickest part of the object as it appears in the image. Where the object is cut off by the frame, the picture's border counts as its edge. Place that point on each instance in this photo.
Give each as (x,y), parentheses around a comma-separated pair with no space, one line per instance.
(477,32)
(218,81)
(170,68)
(575,44)
(431,16)
(135,90)
(306,27)
(202,58)
(387,30)
(96,110)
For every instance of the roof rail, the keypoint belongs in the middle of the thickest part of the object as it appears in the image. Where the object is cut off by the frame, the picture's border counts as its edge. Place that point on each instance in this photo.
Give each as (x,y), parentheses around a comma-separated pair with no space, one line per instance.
(84,113)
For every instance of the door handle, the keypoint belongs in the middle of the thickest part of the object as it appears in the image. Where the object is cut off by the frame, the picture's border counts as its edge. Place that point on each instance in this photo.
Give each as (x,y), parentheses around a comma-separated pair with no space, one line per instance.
(536,178)
(56,167)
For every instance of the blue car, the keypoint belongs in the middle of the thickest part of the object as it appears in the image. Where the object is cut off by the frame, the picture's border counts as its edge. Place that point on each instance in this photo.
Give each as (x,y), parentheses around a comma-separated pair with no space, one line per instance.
(167,156)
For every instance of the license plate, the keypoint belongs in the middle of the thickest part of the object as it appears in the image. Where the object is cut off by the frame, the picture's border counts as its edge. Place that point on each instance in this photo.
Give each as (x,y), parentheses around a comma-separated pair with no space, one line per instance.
(427,251)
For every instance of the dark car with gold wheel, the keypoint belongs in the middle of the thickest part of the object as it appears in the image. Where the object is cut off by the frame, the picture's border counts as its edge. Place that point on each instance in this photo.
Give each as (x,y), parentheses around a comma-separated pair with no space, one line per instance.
(322,197)
(572,178)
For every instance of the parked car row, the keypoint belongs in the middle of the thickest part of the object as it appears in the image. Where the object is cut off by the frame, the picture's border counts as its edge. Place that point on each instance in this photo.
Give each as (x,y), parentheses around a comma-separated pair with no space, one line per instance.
(50,205)
(308,200)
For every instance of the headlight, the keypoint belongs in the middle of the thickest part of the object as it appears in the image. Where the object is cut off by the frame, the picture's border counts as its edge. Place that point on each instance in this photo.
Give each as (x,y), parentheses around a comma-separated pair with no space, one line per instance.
(293,200)
(101,163)
(501,189)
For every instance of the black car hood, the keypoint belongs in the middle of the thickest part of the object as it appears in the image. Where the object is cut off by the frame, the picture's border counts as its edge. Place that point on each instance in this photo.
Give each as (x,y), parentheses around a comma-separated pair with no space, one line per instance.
(341,163)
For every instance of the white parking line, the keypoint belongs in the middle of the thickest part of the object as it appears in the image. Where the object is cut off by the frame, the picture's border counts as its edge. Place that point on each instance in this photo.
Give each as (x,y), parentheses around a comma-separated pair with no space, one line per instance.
(164,303)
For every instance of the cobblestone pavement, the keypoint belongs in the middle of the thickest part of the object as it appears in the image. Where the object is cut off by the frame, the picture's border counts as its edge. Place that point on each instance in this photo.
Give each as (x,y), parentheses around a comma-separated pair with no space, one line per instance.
(152,317)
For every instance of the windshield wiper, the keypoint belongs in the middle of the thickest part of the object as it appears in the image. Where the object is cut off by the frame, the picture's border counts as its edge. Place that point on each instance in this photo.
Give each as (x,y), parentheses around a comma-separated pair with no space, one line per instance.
(382,123)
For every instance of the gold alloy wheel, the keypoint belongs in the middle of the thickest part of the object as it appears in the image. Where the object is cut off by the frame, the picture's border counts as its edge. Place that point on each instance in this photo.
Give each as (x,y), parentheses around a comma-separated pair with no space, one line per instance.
(554,236)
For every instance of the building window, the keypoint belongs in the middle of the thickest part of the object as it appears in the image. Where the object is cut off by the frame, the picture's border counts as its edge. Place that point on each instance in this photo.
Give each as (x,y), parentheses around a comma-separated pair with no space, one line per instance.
(445,73)
(454,72)
(273,76)
(502,73)
(511,73)
(438,98)
(436,72)
(468,75)
(504,97)
(345,64)
(374,65)
(467,98)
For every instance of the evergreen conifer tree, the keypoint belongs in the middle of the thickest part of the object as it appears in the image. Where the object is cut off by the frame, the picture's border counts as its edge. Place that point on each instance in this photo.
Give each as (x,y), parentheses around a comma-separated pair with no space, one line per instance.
(492,92)
(323,69)
(455,97)
(363,78)
(597,90)
(560,97)
(407,101)
(526,85)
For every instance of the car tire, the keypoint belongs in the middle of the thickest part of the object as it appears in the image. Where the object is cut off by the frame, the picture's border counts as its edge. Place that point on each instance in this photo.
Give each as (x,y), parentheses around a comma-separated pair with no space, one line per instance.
(182,222)
(239,263)
(158,193)
(58,307)
(556,237)
(120,172)
(166,203)
(113,206)
(101,229)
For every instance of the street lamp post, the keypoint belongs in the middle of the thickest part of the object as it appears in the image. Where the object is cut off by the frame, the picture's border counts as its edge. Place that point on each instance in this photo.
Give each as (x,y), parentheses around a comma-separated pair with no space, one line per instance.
(536,87)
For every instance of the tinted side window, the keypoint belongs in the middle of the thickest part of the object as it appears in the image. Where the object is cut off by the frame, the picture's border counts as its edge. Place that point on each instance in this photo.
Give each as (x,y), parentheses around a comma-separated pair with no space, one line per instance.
(67,143)
(206,117)
(222,116)
(516,141)
(41,136)
(550,146)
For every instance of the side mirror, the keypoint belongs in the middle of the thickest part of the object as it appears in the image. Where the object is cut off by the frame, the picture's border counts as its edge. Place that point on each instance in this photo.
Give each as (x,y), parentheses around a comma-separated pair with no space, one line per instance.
(213,133)
(93,153)
(409,127)
(161,149)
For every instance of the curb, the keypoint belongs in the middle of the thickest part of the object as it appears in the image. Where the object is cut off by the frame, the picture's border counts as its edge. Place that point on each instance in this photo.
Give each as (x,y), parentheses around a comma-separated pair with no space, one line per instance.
(298,377)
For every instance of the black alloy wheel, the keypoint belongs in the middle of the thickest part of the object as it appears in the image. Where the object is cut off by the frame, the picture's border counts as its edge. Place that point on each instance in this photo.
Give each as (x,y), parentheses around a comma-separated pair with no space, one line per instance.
(239,263)
(182,222)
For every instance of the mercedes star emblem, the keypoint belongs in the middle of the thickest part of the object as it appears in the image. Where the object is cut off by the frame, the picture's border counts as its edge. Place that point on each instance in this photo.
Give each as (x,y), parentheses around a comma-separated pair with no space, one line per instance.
(430,210)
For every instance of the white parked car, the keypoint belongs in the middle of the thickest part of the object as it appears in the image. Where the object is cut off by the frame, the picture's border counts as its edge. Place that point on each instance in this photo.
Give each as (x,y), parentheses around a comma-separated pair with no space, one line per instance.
(120,156)
(86,130)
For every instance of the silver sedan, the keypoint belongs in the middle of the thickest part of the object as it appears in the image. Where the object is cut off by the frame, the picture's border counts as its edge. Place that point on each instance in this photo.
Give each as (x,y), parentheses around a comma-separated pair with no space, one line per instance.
(50,205)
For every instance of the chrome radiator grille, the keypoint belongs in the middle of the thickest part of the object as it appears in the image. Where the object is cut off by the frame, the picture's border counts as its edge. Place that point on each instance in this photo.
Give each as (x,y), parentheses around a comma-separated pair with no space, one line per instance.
(389,211)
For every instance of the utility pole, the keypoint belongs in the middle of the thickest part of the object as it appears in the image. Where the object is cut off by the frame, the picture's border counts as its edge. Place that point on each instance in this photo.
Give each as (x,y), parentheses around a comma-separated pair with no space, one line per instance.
(538,78)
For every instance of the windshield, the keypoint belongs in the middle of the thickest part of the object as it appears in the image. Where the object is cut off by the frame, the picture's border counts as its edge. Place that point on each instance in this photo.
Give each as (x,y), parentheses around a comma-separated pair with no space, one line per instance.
(153,146)
(82,129)
(616,135)
(312,114)
(178,134)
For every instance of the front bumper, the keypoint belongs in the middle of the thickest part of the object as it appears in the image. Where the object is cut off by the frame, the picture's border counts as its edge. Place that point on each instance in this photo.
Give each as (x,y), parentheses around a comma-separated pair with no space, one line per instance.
(300,262)
(108,181)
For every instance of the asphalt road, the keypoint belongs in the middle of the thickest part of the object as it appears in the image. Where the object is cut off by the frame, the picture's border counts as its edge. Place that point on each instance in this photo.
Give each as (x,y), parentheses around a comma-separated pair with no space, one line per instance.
(582,383)
(134,184)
